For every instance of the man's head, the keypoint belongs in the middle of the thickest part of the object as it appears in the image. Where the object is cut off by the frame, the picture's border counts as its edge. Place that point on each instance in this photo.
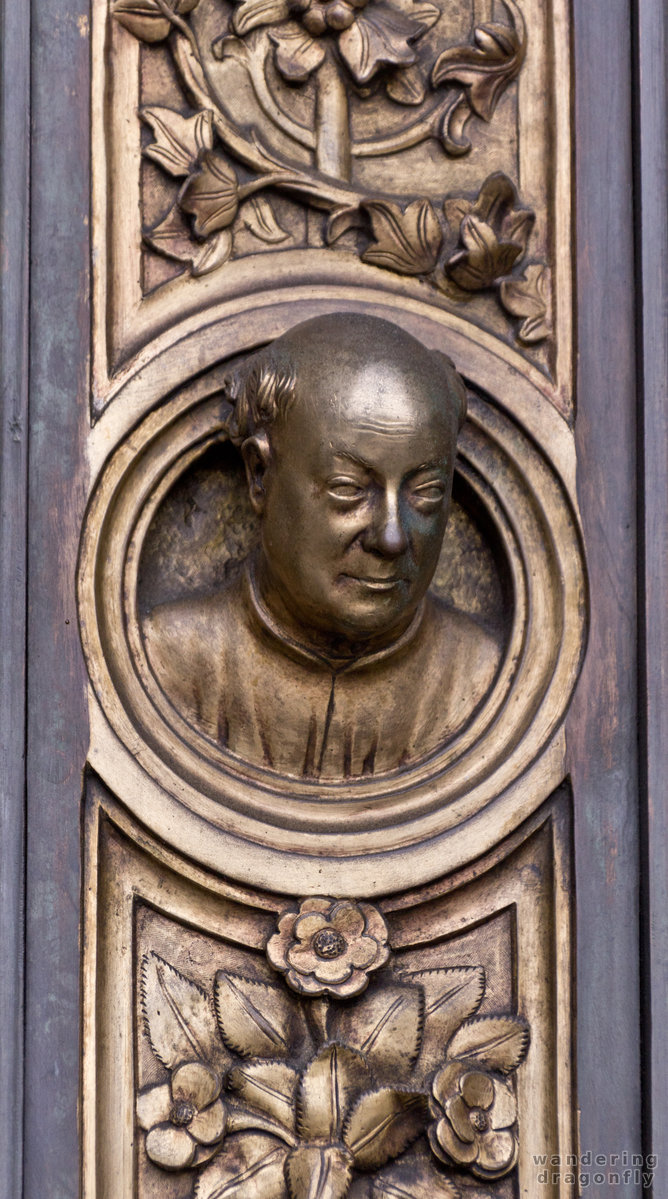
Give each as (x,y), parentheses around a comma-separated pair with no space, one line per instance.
(348,428)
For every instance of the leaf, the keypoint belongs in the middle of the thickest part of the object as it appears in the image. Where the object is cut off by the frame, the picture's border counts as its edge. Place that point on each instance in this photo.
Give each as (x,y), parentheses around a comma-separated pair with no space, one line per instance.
(257,1019)
(386,1026)
(497,1042)
(483,71)
(211,195)
(451,996)
(528,297)
(143,19)
(407,85)
(258,216)
(214,253)
(250,1166)
(179,141)
(416,1178)
(425,13)
(485,258)
(341,220)
(383,1124)
(297,54)
(268,1086)
(172,237)
(329,1087)
(380,36)
(179,1016)
(252,13)
(406,241)
(455,209)
(318,1172)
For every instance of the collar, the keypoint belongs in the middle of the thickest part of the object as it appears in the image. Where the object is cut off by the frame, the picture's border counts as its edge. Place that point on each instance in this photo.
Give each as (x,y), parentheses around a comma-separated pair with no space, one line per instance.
(261,617)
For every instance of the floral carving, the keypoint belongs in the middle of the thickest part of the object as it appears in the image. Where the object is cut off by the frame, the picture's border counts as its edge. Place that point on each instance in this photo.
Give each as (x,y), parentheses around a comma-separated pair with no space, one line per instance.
(329,946)
(291,1094)
(184,1119)
(368,35)
(529,298)
(476,1116)
(484,70)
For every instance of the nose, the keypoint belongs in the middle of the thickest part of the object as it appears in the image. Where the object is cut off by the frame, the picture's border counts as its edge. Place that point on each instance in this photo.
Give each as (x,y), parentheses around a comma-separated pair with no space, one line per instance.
(385,534)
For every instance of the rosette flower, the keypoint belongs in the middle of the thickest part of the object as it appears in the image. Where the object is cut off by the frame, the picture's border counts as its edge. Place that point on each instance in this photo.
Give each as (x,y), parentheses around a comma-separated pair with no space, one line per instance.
(184,1119)
(369,35)
(329,946)
(475,1117)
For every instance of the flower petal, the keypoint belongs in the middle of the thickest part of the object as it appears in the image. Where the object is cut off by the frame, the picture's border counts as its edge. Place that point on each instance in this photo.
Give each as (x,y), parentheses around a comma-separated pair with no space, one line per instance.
(316,903)
(497,1154)
(458,1151)
(446,1082)
(154,1106)
(477,1089)
(297,54)
(460,1117)
(170,1147)
(195,1083)
(335,971)
(357,982)
(253,13)
(380,36)
(504,1108)
(310,924)
(306,983)
(302,958)
(363,952)
(348,920)
(208,1126)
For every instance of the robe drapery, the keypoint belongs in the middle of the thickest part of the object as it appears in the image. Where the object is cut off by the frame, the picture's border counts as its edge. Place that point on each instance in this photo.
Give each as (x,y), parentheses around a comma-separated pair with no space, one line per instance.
(245,683)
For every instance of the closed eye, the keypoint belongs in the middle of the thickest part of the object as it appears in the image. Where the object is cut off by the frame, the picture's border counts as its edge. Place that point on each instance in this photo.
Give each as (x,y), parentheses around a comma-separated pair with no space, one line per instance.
(345,489)
(430,493)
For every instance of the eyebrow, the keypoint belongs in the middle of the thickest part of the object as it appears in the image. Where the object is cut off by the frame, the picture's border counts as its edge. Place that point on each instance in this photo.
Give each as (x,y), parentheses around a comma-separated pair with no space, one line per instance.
(436,464)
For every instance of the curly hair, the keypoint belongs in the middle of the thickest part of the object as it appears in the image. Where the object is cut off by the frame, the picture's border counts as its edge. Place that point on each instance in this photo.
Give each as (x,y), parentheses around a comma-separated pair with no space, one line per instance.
(259,395)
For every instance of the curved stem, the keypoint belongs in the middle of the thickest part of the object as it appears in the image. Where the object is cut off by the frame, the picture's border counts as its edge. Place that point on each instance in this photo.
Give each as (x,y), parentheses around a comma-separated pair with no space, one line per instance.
(332,121)
(178,23)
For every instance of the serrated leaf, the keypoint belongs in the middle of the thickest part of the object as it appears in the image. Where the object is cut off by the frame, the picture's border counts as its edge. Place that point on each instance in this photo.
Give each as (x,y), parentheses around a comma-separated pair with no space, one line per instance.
(451,996)
(214,253)
(386,1026)
(408,240)
(417,1178)
(250,1166)
(318,1172)
(256,1019)
(179,1016)
(268,1086)
(382,1124)
(497,1042)
(179,141)
(258,216)
(329,1087)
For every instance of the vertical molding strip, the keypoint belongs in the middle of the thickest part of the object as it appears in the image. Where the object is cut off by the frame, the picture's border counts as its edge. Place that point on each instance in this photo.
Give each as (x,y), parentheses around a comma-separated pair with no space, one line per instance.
(14,304)
(652,194)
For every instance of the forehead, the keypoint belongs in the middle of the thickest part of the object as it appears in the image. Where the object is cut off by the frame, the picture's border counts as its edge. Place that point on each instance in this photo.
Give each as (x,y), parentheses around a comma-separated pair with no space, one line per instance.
(372,412)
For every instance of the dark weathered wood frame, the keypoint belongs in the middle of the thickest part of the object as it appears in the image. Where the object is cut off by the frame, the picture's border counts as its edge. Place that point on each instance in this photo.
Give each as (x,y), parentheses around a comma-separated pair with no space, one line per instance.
(618,732)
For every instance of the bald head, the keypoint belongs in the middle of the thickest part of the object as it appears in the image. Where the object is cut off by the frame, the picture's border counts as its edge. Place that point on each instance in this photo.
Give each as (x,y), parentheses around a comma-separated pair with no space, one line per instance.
(350,362)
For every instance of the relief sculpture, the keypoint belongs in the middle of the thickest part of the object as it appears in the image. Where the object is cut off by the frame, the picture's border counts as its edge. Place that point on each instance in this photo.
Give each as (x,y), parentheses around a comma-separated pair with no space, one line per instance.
(327,656)
(360,1078)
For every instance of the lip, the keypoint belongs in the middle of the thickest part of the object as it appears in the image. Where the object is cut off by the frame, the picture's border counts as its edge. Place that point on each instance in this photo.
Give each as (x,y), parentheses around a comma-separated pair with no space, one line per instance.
(376,584)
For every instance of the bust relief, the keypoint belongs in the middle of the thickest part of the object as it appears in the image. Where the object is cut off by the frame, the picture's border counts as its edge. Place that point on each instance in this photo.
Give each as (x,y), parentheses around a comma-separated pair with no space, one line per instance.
(327,656)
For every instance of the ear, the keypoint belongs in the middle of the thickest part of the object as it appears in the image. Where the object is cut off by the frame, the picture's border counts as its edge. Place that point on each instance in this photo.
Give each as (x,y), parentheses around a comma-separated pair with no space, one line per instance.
(256,453)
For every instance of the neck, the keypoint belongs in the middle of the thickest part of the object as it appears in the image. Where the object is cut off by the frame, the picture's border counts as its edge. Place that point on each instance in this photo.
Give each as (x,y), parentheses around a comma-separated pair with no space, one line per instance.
(334,646)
